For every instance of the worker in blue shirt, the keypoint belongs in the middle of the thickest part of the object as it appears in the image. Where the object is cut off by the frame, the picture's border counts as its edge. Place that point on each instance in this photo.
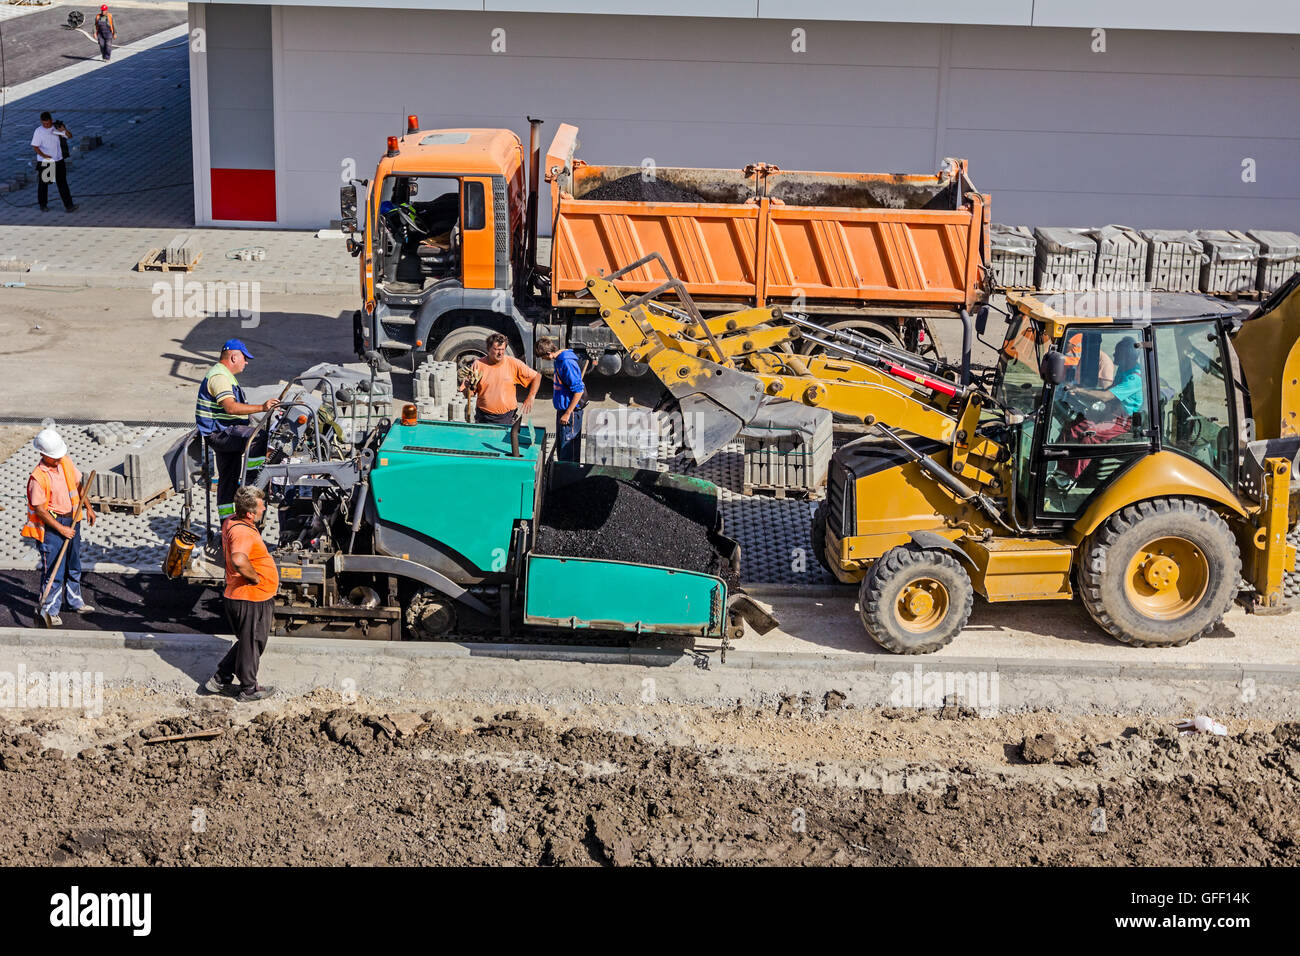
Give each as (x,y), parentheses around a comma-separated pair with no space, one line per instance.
(568,395)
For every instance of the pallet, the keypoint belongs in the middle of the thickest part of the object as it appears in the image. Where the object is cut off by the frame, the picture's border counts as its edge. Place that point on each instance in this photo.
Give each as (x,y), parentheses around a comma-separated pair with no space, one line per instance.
(129,505)
(800,494)
(155,259)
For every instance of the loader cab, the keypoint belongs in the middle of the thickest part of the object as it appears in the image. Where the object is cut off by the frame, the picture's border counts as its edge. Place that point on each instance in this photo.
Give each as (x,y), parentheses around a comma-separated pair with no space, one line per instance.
(1118,388)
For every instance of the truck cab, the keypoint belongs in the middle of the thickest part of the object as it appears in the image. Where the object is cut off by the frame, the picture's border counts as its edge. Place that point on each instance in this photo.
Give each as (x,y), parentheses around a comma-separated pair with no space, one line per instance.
(442,236)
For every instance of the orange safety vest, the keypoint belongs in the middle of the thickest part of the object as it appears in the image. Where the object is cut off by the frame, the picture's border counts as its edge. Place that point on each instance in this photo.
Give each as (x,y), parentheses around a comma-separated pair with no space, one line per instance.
(35,527)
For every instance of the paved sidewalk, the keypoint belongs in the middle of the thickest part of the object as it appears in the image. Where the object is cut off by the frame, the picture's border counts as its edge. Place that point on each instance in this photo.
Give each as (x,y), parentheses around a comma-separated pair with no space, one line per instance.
(296,262)
(139,104)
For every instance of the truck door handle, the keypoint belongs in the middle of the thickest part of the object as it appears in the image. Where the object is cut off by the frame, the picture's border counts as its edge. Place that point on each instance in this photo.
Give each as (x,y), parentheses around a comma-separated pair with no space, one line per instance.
(1055,452)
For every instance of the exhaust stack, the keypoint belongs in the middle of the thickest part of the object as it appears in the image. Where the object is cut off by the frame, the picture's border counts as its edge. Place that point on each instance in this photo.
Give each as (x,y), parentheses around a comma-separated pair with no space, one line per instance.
(534,171)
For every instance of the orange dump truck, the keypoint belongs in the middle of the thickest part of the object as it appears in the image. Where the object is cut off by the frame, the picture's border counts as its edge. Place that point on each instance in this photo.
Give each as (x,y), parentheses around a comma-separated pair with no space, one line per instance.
(449,244)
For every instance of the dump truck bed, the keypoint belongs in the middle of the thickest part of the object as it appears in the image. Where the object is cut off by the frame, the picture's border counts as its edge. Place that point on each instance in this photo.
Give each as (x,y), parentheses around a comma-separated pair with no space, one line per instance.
(827,241)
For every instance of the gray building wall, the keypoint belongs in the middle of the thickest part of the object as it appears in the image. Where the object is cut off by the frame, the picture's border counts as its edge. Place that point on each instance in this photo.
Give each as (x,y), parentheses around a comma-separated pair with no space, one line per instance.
(240,109)
(1150,133)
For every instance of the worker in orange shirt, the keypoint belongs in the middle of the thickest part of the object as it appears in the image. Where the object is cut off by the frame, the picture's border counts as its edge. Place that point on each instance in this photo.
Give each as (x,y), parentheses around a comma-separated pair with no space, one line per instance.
(52,497)
(251,583)
(492,380)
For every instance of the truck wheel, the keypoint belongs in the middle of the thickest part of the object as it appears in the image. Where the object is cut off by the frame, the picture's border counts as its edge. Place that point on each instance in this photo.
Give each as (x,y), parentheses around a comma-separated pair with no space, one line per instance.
(466,344)
(430,616)
(915,600)
(1160,573)
(818,533)
(876,332)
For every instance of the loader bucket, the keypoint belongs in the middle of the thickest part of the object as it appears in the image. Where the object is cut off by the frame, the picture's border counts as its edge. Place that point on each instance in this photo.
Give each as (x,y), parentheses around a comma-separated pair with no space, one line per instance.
(1268,348)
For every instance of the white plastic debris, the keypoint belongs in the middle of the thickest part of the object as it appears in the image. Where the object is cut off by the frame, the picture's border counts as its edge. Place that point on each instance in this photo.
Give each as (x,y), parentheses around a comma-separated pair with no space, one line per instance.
(1200,724)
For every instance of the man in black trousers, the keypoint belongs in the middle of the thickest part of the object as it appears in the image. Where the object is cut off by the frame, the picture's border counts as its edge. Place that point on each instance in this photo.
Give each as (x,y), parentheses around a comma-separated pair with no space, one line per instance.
(48,142)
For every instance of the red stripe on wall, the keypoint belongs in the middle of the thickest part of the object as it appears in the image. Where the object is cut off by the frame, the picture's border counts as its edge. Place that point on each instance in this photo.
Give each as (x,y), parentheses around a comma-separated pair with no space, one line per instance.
(243,194)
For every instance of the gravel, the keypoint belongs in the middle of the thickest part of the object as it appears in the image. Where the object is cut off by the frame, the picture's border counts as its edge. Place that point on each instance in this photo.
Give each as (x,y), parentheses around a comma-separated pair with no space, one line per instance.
(602,517)
(632,188)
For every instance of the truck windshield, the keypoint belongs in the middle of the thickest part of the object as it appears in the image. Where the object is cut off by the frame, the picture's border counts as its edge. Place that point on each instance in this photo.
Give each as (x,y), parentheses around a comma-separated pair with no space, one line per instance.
(1019,386)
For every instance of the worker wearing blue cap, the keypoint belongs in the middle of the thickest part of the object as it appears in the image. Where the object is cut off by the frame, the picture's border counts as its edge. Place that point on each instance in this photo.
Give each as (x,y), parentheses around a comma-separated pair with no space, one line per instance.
(221,415)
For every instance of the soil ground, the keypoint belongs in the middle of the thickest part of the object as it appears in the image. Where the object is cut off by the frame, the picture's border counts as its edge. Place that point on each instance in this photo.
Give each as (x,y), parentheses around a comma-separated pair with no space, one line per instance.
(311,780)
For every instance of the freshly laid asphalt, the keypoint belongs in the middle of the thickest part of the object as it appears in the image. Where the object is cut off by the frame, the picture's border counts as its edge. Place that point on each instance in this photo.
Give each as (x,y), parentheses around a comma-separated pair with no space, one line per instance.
(135,602)
(41,43)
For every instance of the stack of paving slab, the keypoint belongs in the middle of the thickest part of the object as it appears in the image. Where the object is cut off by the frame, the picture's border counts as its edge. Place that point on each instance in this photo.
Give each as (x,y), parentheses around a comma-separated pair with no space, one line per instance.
(437,397)
(1121,259)
(1232,262)
(1174,258)
(1279,257)
(1012,259)
(1065,259)
(183,250)
(133,474)
(628,438)
(787,448)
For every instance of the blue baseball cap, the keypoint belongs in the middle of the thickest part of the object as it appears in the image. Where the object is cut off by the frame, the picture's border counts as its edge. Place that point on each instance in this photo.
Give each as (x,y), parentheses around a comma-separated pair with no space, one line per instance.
(234,345)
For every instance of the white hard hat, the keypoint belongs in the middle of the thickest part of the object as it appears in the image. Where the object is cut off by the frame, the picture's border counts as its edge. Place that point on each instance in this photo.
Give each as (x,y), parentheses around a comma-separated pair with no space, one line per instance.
(49,444)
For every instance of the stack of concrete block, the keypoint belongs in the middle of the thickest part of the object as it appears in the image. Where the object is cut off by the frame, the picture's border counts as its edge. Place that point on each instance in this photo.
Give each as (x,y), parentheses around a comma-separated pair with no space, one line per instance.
(788,447)
(134,474)
(183,250)
(1174,258)
(1012,259)
(1232,261)
(1121,259)
(436,395)
(1279,257)
(1065,259)
(628,438)
(109,433)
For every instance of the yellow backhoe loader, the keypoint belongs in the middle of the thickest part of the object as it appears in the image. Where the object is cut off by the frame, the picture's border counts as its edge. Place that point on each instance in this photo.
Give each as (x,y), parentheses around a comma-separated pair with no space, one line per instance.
(1142,460)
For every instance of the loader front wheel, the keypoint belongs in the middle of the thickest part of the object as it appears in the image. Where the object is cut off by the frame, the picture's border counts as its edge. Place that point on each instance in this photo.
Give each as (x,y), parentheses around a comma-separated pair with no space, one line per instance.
(915,600)
(1160,573)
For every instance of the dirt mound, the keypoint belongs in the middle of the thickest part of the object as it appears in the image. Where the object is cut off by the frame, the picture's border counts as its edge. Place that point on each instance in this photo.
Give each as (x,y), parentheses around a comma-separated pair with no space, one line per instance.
(344,786)
(633,188)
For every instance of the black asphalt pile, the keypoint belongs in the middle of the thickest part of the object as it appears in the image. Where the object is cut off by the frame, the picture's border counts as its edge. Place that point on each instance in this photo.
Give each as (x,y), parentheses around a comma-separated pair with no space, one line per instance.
(633,188)
(602,517)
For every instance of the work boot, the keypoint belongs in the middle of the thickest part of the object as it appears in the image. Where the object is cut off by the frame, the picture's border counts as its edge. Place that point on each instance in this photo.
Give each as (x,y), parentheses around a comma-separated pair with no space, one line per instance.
(45,209)
(215,685)
(257,693)
(52,620)
(85,609)
(73,208)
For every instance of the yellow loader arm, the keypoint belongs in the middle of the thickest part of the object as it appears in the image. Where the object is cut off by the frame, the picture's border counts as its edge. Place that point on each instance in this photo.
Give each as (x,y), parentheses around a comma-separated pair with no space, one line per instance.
(698,363)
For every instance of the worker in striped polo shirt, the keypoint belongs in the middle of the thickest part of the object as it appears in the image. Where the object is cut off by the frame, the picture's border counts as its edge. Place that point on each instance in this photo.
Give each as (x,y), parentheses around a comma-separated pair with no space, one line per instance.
(222,418)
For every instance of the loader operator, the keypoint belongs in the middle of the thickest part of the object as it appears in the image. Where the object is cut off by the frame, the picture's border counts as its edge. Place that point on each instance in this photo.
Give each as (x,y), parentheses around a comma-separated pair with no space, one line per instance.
(221,415)
(1110,414)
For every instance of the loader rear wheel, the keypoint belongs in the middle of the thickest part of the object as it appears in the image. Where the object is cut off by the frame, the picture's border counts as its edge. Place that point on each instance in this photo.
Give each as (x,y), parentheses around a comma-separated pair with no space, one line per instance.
(915,600)
(1160,573)
(818,535)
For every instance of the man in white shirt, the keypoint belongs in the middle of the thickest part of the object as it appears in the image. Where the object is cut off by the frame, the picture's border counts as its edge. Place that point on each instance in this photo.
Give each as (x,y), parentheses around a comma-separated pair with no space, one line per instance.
(47,141)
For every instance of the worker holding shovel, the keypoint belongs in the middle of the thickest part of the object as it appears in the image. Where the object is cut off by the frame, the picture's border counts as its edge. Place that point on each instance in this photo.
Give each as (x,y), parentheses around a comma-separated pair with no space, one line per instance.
(55,499)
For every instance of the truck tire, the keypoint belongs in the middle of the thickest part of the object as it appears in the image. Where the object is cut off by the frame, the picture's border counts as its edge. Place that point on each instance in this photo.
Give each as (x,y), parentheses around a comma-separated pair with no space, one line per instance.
(876,331)
(915,600)
(1160,573)
(466,344)
(818,535)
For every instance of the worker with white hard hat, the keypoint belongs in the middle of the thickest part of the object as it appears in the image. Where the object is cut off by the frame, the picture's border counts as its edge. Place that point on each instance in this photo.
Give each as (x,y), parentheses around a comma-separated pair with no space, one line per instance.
(53,493)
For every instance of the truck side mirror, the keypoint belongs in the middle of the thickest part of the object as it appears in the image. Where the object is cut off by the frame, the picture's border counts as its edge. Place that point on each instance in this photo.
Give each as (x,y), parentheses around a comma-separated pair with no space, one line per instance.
(982,321)
(1052,368)
(348,202)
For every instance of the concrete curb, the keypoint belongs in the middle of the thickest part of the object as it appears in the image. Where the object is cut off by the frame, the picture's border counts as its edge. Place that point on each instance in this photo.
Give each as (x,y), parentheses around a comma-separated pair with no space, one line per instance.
(1285,674)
